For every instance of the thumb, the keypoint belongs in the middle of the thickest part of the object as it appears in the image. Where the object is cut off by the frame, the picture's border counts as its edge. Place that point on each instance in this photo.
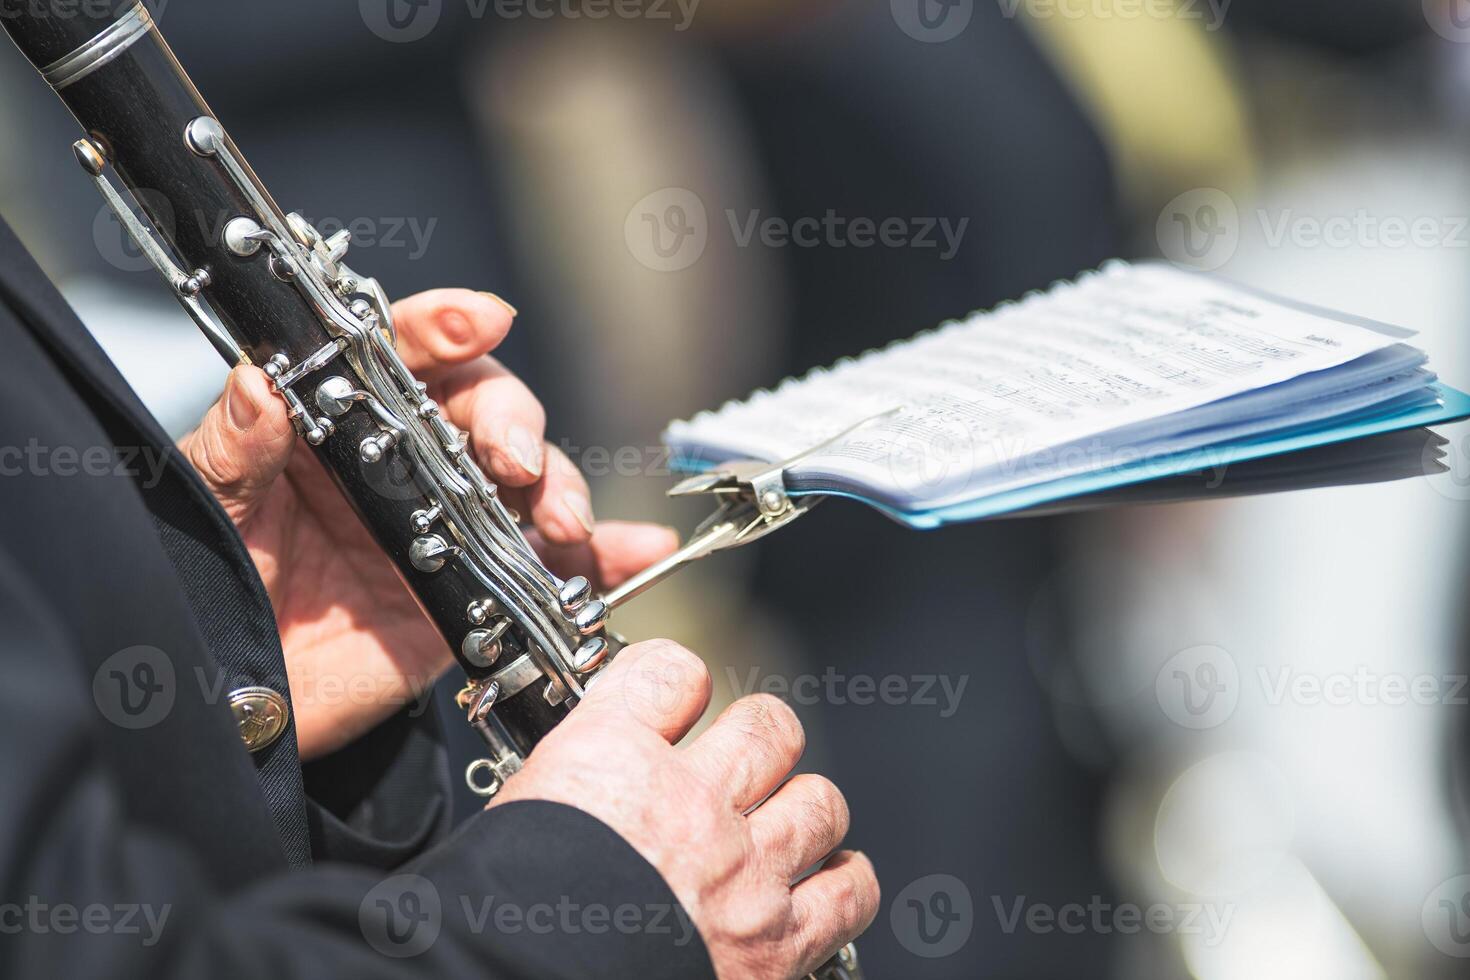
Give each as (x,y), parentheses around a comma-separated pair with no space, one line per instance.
(243,444)
(656,684)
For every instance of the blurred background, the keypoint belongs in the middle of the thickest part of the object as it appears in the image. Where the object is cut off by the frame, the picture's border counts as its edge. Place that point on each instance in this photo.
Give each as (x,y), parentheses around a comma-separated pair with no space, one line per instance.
(1048,798)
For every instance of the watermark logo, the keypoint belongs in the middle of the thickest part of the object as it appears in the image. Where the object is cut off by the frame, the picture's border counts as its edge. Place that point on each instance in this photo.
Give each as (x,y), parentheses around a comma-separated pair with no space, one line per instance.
(660,678)
(138,687)
(833,230)
(1362,229)
(1199,229)
(1449,473)
(1199,687)
(1210,13)
(568,917)
(932,21)
(941,692)
(401,21)
(1102,917)
(925,450)
(71,9)
(1362,687)
(41,918)
(135,688)
(626,461)
(409,233)
(117,247)
(115,243)
(145,464)
(394,476)
(933,916)
(1446,917)
(668,230)
(1450,19)
(1202,229)
(401,916)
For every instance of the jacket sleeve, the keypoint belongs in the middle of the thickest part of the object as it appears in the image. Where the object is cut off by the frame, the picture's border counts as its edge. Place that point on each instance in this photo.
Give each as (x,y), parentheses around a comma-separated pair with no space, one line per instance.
(529,889)
(385,798)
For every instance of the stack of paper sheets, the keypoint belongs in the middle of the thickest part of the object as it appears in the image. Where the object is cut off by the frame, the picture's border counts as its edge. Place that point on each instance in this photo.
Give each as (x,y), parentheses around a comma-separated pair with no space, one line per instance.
(1132,375)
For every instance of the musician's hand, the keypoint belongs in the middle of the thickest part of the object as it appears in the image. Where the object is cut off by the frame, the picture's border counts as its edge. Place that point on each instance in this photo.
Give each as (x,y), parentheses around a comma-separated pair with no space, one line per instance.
(688,810)
(357,646)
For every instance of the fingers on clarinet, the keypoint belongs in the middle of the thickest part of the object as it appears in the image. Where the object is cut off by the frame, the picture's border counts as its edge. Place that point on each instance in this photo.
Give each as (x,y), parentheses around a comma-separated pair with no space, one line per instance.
(506,422)
(620,549)
(834,906)
(750,748)
(440,328)
(561,503)
(656,685)
(801,823)
(244,441)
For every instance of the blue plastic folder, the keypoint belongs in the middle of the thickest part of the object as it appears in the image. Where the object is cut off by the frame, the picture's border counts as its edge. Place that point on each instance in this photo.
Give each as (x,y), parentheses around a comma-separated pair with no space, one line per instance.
(1455,407)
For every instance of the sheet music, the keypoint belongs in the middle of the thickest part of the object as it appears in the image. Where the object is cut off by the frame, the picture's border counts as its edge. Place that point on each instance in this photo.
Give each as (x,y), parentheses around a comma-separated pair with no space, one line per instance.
(1031,390)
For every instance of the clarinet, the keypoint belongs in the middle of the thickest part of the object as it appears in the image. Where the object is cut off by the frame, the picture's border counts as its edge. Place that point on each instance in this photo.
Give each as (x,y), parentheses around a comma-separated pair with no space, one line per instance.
(267,288)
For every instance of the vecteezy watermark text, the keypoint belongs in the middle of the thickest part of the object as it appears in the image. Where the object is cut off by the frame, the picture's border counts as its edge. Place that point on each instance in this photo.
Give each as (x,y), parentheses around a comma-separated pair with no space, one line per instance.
(679,13)
(405,21)
(411,234)
(934,917)
(95,10)
(40,917)
(1361,686)
(831,687)
(1100,916)
(1203,229)
(669,229)
(1200,687)
(403,915)
(137,688)
(833,230)
(1211,13)
(142,463)
(567,917)
(937,21)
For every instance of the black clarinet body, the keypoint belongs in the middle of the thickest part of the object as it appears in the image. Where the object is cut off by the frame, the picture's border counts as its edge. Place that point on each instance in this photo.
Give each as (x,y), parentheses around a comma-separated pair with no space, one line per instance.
(268,290)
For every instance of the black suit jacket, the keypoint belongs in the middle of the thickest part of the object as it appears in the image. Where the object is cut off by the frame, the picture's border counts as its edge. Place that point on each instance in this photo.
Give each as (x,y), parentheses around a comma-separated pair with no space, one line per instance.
(138,837)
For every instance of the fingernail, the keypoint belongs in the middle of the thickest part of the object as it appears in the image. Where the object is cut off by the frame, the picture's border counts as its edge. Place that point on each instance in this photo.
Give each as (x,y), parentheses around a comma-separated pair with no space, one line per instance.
(240,405)
(508,308)
(580,507)
(525,449)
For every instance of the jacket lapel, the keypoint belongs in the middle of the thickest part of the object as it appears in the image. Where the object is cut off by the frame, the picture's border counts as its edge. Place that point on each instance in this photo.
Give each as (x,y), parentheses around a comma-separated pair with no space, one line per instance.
(224,589)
